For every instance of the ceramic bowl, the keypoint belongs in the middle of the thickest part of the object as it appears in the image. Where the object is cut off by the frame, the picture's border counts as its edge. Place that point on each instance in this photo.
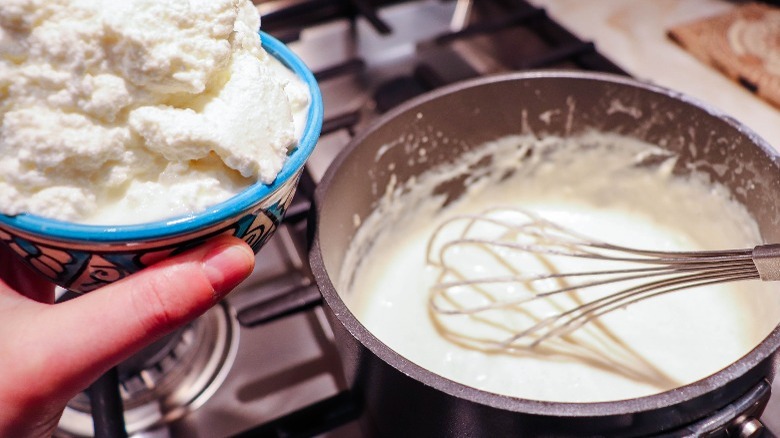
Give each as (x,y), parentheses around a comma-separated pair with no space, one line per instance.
(82,258)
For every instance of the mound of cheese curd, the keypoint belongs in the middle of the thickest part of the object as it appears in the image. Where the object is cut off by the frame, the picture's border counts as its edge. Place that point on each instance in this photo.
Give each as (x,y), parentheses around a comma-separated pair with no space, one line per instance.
(133,111)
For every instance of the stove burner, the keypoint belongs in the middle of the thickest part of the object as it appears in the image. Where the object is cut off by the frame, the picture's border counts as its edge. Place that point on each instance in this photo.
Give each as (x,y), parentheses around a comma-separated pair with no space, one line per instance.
(170,378)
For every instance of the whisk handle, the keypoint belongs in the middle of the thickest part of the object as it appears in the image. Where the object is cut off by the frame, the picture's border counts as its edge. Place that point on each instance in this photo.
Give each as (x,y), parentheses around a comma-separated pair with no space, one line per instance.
(767,261)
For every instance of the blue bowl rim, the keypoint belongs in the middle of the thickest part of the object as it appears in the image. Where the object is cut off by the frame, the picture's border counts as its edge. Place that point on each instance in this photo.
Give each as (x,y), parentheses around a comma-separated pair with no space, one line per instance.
(52,229)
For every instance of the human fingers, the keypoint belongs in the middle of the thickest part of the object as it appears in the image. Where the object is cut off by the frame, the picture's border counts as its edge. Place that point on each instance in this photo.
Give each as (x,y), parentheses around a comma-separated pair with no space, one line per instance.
(88,335)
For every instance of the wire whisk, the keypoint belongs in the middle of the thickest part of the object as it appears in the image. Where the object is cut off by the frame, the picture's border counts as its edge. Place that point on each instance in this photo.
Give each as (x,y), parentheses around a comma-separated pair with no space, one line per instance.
(551,280)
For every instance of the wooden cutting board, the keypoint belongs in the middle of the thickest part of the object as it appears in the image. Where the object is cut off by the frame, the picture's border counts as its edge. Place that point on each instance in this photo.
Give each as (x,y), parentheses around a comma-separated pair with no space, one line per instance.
(744,44)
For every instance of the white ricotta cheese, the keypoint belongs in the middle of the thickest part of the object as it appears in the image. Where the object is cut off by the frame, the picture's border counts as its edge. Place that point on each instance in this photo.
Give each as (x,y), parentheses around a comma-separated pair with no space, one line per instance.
(165,107)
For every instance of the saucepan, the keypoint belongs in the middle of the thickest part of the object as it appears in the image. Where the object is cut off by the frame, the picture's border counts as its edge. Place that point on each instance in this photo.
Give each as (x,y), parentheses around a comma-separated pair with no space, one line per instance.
(401,398)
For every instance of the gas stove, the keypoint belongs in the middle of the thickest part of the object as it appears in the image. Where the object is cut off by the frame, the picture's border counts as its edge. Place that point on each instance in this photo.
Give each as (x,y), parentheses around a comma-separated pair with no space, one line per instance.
(263,363)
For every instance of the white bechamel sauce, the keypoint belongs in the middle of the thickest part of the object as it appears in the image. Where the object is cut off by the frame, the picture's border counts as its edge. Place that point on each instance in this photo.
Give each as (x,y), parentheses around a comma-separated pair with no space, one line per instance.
(601,186)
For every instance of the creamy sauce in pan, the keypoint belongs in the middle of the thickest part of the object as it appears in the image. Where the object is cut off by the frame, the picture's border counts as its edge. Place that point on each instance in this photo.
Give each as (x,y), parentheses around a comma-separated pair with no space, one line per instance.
(610,188)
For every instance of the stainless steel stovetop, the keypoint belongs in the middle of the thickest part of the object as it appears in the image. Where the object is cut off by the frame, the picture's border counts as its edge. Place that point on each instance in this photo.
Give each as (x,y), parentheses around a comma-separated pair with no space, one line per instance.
(264,365)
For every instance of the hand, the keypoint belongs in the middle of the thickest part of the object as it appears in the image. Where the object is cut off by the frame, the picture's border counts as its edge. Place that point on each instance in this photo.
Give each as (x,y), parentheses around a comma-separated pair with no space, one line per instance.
(51,352)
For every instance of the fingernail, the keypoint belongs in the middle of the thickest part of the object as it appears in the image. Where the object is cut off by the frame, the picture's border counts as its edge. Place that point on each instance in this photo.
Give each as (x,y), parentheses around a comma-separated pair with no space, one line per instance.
(226,266)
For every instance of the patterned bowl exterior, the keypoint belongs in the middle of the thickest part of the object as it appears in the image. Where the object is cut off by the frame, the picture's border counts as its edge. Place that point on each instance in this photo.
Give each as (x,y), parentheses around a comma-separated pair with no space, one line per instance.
(82,258)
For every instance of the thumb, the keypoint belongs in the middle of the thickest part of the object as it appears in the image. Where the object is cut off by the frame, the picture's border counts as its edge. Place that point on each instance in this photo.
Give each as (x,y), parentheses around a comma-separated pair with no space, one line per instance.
(96,331)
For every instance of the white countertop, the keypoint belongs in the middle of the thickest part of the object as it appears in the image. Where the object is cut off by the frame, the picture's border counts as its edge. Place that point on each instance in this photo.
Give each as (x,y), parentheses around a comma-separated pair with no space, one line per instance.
(632,34)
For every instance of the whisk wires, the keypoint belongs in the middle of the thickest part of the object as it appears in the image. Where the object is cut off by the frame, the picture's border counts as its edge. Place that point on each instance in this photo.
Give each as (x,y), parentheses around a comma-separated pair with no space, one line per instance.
(526,250)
